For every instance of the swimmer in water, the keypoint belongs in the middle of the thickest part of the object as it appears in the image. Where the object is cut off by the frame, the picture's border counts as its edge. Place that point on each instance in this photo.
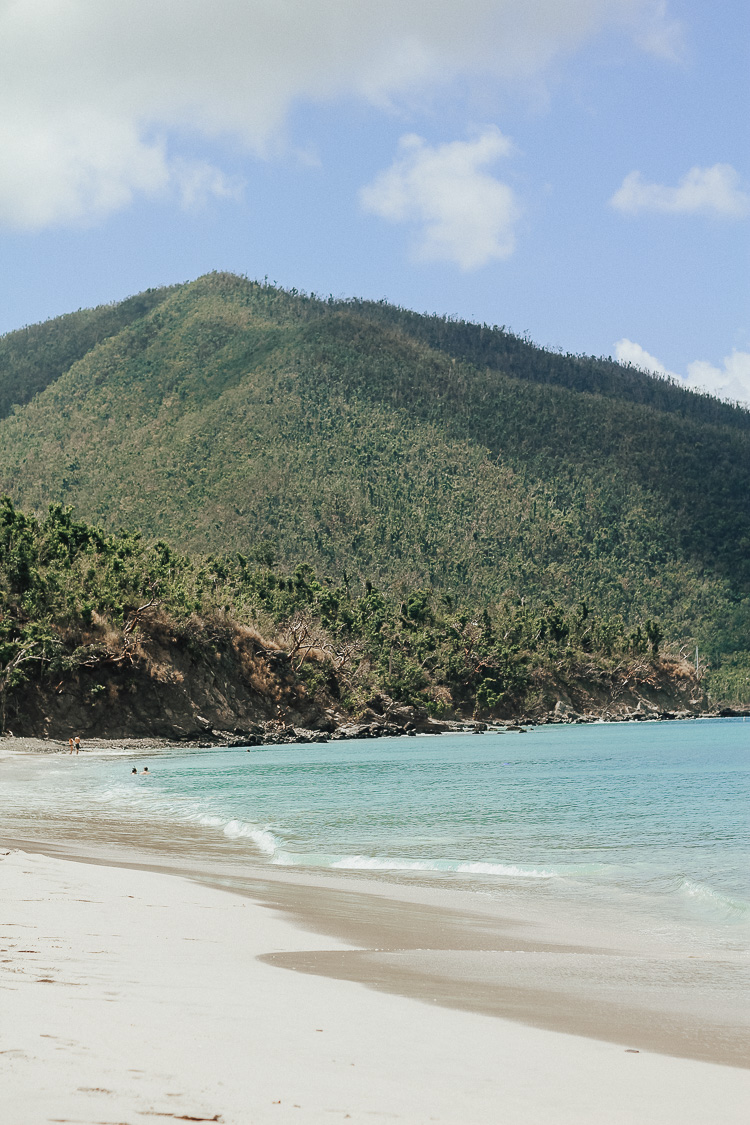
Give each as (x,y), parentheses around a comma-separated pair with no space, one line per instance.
(134,770)
(145,770)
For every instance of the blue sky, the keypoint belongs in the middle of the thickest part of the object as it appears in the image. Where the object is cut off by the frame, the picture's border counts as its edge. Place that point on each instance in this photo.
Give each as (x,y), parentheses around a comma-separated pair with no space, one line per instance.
(574,169)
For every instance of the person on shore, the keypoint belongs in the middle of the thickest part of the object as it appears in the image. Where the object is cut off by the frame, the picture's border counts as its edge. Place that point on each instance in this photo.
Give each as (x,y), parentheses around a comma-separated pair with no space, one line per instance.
(78,743)
(71,745)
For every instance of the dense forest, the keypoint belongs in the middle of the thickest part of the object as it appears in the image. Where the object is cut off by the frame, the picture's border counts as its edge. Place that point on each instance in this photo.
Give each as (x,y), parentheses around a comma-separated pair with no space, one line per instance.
(372,444)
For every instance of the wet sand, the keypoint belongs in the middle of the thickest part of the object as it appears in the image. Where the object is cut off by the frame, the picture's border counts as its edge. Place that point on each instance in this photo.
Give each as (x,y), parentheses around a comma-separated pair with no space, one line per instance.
(131,993)
(457,950)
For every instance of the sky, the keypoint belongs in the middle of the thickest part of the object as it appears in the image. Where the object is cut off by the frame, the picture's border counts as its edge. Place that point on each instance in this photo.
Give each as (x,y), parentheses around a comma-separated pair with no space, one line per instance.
(576,170)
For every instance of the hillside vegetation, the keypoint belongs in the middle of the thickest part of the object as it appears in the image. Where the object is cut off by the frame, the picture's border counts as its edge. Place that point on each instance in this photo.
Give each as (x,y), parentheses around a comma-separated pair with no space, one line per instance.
(33,357)
(372,443)
(111,635)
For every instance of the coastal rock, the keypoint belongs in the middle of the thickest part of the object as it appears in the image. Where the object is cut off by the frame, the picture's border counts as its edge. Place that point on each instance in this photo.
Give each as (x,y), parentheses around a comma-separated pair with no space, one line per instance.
(277,735)
(565,713)
(354,730)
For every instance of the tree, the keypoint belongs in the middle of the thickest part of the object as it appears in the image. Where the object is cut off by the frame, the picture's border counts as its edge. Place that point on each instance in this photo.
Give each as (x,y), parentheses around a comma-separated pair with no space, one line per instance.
(654,635)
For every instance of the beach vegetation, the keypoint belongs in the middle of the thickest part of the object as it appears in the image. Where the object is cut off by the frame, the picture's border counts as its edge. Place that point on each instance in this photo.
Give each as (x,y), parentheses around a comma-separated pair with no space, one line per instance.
(74,597)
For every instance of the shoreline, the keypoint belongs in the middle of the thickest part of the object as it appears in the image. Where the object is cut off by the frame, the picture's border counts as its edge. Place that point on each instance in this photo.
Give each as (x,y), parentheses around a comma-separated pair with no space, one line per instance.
(10,743)
(450,948)
(131,992)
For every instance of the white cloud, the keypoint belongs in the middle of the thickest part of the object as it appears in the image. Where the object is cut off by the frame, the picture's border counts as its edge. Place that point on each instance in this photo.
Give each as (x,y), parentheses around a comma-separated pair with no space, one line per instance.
(462,214)
(730,382)
(87,165)
(711,191)
(628,352)
(96,97)
(659,34)
(194,181)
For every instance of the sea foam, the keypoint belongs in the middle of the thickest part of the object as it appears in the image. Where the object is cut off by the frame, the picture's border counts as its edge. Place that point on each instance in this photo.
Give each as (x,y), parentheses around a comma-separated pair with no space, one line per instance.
(384,863)
(714,901)
(264,840)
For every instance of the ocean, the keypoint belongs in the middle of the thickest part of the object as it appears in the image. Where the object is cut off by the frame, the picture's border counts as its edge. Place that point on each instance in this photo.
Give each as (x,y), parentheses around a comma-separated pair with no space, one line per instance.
(631,826)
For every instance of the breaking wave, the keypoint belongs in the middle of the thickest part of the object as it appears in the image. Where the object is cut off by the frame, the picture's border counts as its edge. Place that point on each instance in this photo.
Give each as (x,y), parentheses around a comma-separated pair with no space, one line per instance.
(384,863)
(276,850)
(264,840)
(714,901)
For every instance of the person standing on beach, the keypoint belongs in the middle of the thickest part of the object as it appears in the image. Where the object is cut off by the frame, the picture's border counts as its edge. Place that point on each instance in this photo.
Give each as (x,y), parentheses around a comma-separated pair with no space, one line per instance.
(71,745)
(78,743)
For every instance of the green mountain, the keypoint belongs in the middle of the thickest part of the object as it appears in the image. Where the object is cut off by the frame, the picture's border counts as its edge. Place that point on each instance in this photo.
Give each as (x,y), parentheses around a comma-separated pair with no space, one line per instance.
(368,441)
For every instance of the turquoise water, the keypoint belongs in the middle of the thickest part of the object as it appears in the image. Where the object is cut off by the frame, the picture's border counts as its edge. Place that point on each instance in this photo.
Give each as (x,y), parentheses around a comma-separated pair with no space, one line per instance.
(649,819)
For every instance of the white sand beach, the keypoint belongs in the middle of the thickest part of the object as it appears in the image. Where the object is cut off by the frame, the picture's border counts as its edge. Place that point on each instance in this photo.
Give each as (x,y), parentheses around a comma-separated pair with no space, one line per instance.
(129,994)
